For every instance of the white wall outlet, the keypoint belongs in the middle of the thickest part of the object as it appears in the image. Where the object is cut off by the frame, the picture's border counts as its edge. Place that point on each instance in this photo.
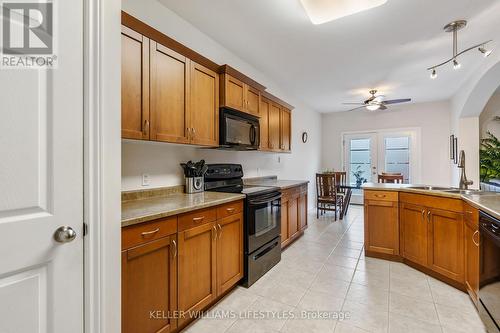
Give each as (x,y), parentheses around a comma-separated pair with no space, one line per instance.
(145,179)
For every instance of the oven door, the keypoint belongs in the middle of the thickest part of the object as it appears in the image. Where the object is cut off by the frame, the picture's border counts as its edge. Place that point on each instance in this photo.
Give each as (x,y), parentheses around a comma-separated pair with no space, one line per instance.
(263,219)
(238,130)
(489,272)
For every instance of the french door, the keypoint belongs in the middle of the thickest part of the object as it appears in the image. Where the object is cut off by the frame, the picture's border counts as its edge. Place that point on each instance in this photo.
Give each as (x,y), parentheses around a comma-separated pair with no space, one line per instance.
(367,154)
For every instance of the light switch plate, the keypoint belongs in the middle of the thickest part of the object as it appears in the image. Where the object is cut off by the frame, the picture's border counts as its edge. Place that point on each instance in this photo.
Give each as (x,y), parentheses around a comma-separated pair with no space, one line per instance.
(145,179)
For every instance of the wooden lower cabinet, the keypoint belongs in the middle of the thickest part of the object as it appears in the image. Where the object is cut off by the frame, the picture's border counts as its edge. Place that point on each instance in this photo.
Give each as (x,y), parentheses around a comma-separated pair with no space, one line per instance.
(382,226)
(471,239)
(197,268)
(446,243)
(414,230)
(229,252)
(293,214)
(149,286)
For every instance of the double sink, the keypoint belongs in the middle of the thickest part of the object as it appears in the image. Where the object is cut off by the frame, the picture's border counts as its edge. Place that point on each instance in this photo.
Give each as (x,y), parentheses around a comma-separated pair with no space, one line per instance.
(444,189)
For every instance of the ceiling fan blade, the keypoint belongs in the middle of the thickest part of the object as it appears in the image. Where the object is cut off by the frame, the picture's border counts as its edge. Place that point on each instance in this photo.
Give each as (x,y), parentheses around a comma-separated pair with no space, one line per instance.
(379,98)
(396,101)
(353,103)
(359,107)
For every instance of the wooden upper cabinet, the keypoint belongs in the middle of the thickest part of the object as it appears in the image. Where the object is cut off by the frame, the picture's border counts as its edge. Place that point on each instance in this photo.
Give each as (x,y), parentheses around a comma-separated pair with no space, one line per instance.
(446,243)
(274,126)
(413,224)
(238,95)
(252,100)
(197,268)
(229,252)
(233,93)
(264,123)
(285,129)
(382,226)
(135,85)
(169,95)
(204,90)
(149,283)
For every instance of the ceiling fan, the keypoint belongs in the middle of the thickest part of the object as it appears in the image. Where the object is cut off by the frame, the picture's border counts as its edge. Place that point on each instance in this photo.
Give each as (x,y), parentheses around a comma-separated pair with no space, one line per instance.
(374,102)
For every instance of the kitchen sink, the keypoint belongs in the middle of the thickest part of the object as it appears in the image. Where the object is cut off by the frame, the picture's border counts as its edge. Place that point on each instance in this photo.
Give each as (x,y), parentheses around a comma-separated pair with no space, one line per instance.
(433,188)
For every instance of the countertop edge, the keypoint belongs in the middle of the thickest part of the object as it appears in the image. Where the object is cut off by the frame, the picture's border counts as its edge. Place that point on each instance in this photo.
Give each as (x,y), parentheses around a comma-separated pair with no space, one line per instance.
(481,207)
(173,212)
(417,191)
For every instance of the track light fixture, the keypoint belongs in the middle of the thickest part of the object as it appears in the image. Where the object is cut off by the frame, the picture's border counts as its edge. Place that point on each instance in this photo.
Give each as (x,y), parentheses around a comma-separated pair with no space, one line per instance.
(434,74)
(454,27)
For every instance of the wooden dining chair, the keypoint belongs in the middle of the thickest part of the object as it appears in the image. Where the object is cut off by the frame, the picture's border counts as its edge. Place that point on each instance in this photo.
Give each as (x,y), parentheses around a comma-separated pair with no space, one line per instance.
(390,178)
(327,197)
(343,190)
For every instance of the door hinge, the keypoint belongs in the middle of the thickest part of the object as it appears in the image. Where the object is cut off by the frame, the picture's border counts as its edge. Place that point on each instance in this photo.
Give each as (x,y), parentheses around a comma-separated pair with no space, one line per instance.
(85,229)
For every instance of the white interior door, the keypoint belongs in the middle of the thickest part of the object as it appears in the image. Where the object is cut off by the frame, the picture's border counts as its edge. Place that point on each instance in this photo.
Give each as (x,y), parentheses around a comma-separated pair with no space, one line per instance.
(360,152)
(41,177)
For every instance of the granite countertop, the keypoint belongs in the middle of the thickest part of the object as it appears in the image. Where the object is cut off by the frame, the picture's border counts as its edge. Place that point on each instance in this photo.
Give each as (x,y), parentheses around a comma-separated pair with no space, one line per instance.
(273,181)
(147,209)
(489,202)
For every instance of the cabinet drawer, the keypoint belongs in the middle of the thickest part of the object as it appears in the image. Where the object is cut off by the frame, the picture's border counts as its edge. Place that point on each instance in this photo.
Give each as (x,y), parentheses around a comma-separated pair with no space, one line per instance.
(229,209)
(381,195)
(197,218)
(146,232)
(431,201)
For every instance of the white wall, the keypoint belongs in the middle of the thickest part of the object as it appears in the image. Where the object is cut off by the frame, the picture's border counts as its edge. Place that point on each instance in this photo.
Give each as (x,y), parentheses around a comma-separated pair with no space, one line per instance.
(433,120)
(161,160)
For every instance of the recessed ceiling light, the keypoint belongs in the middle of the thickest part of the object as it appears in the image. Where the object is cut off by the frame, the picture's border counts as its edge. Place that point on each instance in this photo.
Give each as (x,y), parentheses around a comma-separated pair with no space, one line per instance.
(322,11)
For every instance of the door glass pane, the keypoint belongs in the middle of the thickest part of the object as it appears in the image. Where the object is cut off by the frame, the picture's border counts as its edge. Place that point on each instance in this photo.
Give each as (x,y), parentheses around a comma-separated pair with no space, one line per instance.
(397,156)
(360,161)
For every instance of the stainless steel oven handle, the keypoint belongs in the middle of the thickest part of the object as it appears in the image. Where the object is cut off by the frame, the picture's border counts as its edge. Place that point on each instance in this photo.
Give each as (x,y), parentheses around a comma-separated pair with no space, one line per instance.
(260,202)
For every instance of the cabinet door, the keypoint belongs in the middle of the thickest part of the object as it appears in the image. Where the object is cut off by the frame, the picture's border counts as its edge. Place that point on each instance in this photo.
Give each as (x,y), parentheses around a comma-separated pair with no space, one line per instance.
(197,268)
(149,283)
(293,216)
(264,123)
(274,127)
(229,252)
(382,226)
(446,243)
(234,93)
(285,129)
(284,221)
(204,91)
(302,211)
(413,233)
(169,95)
(252,100)
(472,260)
(135,85)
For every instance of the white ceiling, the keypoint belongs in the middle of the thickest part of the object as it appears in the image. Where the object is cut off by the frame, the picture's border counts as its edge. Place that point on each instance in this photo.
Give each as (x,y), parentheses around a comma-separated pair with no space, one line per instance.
(388,47)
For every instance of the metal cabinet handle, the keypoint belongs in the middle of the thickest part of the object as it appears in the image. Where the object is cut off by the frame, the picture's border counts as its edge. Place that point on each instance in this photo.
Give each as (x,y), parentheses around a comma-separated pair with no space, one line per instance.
(473,240)
(380,195)
(220,230)
(193,131)
(145,127)
(64,234)
(214,228)
(429,216)
(175,248)
(198,219)
(230,209)
(423,214)
(188,130)
(147,233)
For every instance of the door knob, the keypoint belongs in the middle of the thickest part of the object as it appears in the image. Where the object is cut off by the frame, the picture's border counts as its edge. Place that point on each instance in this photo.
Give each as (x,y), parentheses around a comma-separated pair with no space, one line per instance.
(64,234)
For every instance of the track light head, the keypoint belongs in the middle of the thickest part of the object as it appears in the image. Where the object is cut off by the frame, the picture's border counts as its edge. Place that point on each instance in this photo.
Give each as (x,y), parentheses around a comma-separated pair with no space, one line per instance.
(486,53)
(456,64)
(434,74)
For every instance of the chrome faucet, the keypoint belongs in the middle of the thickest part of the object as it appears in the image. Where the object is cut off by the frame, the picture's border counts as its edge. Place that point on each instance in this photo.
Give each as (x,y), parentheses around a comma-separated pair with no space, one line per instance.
(464,183)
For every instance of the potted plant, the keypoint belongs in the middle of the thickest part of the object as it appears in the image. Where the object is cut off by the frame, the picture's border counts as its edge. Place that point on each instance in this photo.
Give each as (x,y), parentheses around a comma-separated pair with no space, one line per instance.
(490,158)
(358,174)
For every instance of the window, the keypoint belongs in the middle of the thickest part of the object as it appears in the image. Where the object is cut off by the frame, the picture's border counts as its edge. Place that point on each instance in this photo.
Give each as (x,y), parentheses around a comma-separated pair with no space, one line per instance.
(397,156)
(360,159)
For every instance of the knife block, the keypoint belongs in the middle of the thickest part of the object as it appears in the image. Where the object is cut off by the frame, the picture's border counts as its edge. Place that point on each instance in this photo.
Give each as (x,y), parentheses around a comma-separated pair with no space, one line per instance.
(194,185)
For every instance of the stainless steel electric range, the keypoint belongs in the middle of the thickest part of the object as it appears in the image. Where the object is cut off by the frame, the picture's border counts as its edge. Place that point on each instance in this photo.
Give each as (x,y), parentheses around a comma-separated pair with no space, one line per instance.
(262,218)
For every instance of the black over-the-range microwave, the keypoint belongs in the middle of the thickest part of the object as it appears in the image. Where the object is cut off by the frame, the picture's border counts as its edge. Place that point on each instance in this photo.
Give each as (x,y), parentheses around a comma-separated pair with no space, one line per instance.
(238,130)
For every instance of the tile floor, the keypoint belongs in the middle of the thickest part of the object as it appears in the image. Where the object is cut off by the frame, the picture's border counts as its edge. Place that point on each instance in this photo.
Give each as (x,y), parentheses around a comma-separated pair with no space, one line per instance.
(327,271)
